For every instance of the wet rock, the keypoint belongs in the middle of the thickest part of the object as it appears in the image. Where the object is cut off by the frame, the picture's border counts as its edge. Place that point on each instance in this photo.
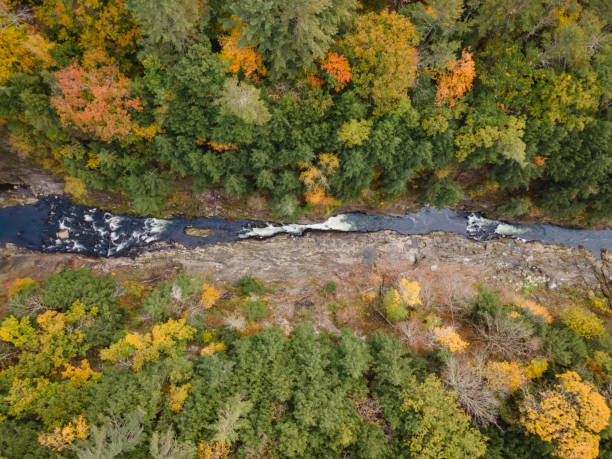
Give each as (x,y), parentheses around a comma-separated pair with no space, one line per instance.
(26,181)
(198,232)
(63,234)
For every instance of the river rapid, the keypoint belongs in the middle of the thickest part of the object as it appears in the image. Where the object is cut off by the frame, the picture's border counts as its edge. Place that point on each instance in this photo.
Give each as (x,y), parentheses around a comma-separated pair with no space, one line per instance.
(54,224)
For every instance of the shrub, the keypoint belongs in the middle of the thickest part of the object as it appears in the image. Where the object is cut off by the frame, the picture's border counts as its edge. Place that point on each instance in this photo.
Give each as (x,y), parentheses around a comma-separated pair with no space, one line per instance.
(509,338)
(256,311)
(18,438)
(187,285)
(156,303)
(567,349)
(583,323)
(486,305)
(394,307)
(396,301)
(248,286)
(506,377)
(63,289)
(168,338)
(448,338)
(535,309)
(62,437)
(473,393)
(433,425)
(210,295)
(441,194)
(515,207)
(512,442)
(24,285)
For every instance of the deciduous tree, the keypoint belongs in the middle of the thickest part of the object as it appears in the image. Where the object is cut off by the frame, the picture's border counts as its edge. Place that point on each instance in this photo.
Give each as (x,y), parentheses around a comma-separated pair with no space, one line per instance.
(383,57)
(570,415)
(95,101)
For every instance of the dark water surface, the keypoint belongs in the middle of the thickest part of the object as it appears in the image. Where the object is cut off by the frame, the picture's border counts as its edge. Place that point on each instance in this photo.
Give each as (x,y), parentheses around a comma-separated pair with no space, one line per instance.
(97,233)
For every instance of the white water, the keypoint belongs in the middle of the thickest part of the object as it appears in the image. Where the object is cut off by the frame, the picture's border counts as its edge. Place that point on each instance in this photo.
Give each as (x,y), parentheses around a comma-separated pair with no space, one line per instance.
(337,223)
(477,223)
(95,232)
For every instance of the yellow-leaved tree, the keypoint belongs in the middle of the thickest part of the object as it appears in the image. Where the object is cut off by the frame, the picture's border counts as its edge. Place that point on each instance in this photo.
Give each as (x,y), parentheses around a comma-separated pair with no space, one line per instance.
(584,323)
(397,300)
(168,339)
(48,381)
(64,436)
(569,415)
(383,57)
(315,179)
(21,48)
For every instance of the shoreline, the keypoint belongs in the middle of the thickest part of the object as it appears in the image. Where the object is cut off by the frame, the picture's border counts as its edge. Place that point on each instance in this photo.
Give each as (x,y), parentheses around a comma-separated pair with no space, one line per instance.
(21,183)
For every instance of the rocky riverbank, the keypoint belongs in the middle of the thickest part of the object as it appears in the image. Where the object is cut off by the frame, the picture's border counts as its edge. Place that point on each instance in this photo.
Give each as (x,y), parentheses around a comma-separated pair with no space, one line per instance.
(300,268)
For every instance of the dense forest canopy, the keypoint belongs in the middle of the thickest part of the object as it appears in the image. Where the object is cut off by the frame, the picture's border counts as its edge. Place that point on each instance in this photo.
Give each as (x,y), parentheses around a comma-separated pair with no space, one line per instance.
(311,103)
(93,367)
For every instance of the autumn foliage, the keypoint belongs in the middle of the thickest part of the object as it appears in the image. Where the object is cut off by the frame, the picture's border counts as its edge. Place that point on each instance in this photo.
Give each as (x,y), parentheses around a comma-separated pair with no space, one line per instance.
(569,415)
(583,322)
(95,101)
(47,370)
(62,437)
(137,348)
(177,396)
(383,56)
(209,296)
(213,450)
(21,50)
(448,338)
(396,301)
(534,308)
(19,285)
(241,58)
(315,179)
(338,68)
(456,80)
(506,376)
(91,24)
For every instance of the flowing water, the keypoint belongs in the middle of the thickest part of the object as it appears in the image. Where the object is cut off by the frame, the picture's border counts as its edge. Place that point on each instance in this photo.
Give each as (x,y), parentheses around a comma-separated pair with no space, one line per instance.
(90,231)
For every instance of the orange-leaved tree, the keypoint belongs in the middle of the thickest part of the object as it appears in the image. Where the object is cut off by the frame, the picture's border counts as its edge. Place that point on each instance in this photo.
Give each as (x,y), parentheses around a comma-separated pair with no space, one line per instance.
(456,80)
(338,69)
(95,99)
(241,58)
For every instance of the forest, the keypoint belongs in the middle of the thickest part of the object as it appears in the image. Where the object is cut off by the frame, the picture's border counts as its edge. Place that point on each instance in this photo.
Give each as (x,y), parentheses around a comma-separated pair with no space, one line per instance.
(97,367)
(419,346)
(310,104)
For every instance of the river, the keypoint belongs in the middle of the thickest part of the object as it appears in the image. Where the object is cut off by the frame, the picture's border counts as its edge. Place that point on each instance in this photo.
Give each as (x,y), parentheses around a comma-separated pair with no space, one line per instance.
(54,224)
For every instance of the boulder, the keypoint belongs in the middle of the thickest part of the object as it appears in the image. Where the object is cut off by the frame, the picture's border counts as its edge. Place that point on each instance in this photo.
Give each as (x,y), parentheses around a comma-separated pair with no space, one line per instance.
(63,234)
